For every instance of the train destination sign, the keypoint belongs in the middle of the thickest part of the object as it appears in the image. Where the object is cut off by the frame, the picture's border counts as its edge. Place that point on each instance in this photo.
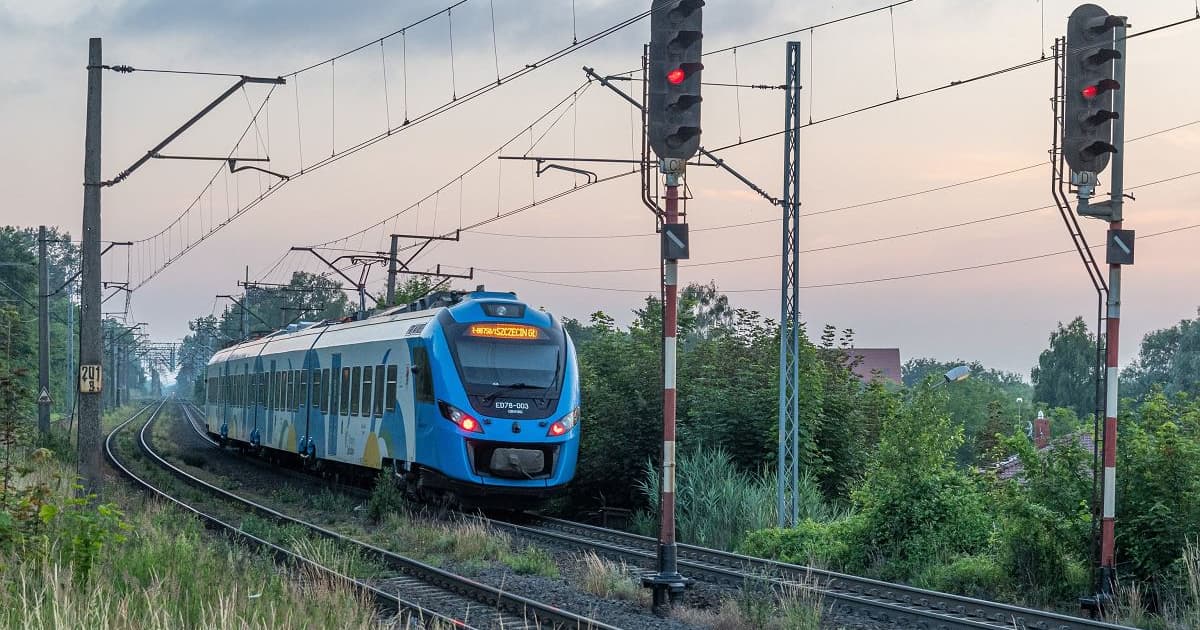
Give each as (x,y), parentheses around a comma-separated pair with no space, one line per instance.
(504,331)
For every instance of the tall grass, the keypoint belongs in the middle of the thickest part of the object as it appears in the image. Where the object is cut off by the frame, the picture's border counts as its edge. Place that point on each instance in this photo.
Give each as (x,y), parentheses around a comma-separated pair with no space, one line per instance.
(163,571)
(716,504)
(1178,597)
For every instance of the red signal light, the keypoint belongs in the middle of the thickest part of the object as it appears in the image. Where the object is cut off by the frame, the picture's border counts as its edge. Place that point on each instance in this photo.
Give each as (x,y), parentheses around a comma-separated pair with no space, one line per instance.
(556,429)
(676,76)
(1090,92)
(468,424)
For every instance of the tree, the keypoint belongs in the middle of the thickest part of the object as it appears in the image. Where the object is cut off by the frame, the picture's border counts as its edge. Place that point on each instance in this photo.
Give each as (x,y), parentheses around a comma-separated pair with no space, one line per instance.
(411,289)
(1169,358)
(918,507)
(1065,373)
(306,297)
(1158,482)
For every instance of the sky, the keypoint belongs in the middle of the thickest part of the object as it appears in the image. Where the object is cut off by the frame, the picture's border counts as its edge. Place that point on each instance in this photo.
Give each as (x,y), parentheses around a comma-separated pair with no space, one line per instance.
(591,248)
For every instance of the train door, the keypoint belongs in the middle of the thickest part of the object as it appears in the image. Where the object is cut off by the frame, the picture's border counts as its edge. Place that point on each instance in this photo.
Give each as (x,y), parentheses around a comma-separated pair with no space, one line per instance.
(335,407)
(349,428)
(303,397)
(400,393)
(272,401)
(224,399)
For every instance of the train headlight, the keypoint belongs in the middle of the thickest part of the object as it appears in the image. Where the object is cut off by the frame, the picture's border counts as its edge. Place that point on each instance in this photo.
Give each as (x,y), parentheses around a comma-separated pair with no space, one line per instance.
(464,420)
(564,424)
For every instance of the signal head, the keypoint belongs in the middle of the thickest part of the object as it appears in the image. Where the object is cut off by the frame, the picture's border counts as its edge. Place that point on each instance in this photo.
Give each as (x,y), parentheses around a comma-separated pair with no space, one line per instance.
(1089,65)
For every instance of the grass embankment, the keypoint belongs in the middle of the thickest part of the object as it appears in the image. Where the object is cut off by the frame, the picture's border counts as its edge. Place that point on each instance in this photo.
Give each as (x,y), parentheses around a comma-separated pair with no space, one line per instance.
(68,562)
(385,520)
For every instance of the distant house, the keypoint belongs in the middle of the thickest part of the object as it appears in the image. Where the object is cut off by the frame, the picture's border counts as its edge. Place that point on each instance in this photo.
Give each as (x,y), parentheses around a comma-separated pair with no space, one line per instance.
(1012,467)
(884,361)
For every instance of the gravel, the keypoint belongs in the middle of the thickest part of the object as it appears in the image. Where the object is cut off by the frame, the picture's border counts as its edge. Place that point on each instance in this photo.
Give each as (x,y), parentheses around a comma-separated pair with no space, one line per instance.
(259,481)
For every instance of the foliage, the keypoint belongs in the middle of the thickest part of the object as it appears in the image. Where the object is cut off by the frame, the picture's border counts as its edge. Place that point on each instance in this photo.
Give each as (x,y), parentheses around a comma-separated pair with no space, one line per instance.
(1159,482)
(1043,521)
(716,504)
(978,575)
(168,574)
(532,561)
(983,405)
(1168,358)
(19,291)
(621,422)
(737,362)
(727,397)
(1065,373)
(386,497)
(917,505)
(834,544)
(412,288)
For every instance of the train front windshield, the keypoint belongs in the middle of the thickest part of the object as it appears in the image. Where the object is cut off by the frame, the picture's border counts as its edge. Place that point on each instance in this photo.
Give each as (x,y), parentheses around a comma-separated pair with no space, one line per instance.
(501,363)
(525,360)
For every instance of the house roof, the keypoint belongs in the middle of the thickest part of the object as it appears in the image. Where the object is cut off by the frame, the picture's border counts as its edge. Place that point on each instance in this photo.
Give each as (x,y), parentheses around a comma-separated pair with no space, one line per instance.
(1012,466)
(885,361)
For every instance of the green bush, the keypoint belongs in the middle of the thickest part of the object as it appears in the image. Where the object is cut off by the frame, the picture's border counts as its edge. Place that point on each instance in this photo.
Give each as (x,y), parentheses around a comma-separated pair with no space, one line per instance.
(386,497)
(834,545)
(977,575)
(717,504)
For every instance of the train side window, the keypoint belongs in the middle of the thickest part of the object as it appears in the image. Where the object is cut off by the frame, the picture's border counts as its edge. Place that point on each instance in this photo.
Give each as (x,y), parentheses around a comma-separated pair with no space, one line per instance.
(355,379)
(294,395)
(314,397)
(323,403)
(366,392)
(273,390)
(302,399)
(378,397)
(344,394)
(290,393)
(422,376)
(391,388)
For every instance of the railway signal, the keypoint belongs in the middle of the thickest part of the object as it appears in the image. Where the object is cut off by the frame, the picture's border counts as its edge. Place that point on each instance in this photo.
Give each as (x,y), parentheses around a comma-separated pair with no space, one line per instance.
(1093,134)
(1091,63)
(673,119)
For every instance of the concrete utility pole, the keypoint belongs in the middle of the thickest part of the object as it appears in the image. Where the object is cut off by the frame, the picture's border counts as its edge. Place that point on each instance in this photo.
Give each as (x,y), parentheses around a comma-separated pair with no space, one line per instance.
(391,280)
(246,298)
(43,336)
(91,352)
(69,391)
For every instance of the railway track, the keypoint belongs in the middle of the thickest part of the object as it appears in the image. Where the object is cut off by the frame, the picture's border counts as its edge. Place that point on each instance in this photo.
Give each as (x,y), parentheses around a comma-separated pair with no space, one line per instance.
(884,602)
(435,597)
(903,606)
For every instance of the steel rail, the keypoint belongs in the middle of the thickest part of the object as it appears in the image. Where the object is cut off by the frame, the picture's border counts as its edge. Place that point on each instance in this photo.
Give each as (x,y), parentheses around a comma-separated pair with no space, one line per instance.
(281,555)
(880,600)
(529,610)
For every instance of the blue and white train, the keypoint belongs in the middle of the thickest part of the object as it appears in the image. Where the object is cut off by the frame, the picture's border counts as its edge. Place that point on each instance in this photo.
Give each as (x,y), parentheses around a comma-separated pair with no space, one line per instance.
(476,400)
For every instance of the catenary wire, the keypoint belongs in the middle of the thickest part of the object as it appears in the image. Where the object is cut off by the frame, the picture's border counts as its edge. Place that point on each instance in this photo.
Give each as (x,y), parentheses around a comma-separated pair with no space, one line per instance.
(852,282)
